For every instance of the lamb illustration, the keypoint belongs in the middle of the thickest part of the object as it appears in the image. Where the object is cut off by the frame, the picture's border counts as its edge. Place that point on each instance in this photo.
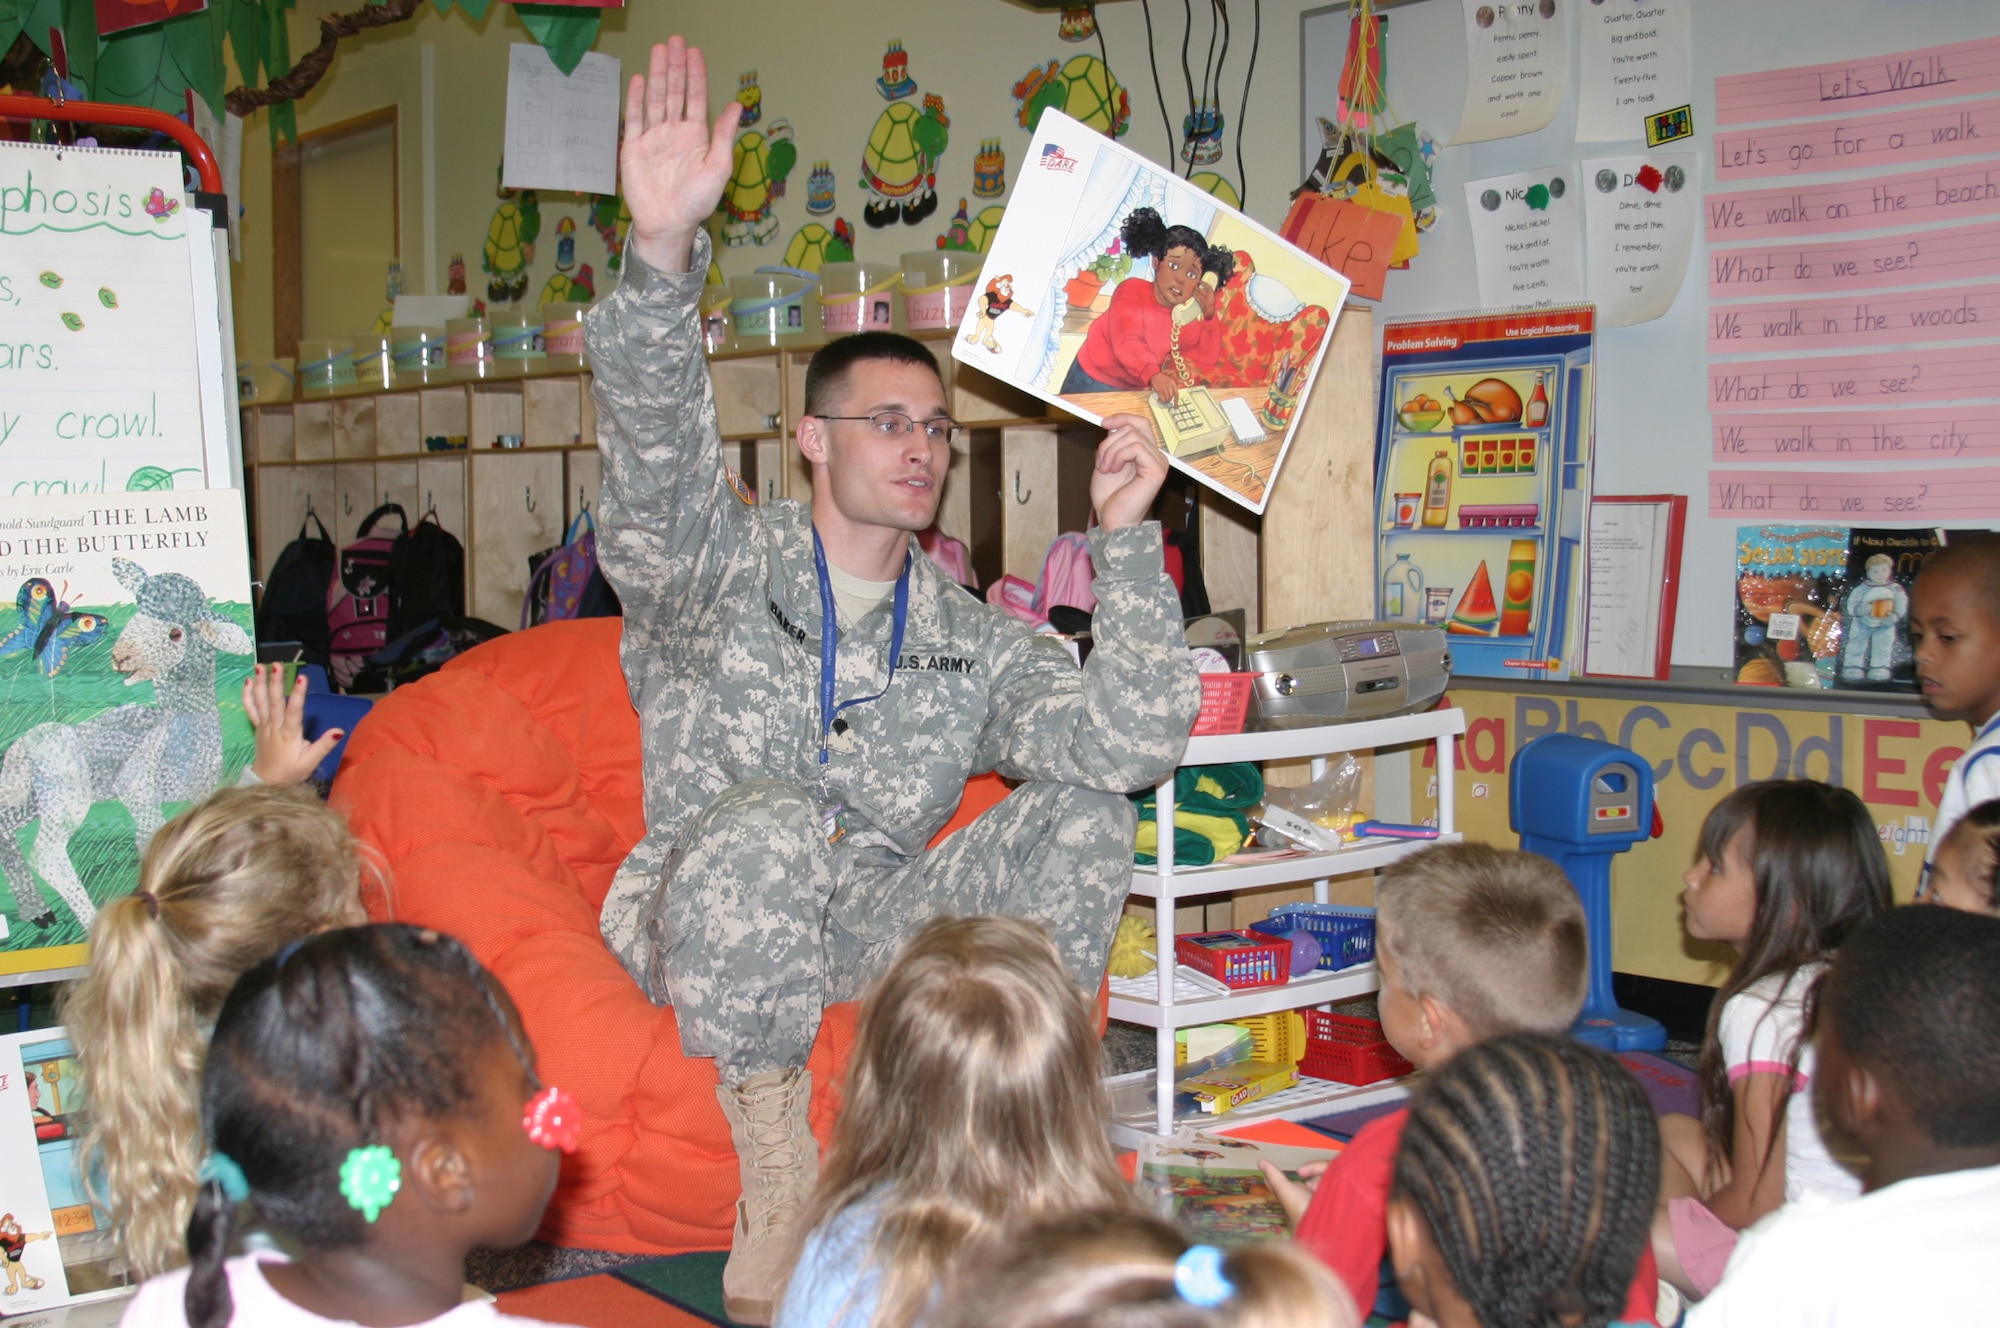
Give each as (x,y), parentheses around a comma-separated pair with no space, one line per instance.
(141,755)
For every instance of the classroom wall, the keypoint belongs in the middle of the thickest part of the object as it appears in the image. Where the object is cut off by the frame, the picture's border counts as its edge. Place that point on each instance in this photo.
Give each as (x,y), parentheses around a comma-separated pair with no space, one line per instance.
(817,64)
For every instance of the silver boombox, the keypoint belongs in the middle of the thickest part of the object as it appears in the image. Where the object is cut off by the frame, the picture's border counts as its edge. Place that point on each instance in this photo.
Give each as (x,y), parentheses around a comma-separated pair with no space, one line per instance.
(1324,673)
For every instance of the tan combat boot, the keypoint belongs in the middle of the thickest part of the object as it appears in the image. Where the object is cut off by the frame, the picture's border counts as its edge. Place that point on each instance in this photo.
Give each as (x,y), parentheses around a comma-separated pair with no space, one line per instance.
(779,1162)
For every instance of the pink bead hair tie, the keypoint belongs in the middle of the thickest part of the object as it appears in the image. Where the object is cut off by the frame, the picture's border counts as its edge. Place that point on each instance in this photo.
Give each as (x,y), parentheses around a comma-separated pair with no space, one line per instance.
(552,1119)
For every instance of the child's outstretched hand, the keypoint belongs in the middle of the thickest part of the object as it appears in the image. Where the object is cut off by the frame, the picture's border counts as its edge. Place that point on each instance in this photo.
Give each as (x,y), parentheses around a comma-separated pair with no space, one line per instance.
(1295,1195)
(283,754)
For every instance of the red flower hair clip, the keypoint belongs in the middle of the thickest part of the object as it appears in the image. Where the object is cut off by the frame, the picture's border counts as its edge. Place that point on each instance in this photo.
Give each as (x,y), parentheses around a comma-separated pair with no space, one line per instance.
(552,1120)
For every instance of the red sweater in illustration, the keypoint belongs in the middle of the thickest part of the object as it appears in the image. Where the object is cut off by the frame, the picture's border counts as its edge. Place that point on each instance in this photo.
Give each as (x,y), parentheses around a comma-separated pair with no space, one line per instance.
(1129,342)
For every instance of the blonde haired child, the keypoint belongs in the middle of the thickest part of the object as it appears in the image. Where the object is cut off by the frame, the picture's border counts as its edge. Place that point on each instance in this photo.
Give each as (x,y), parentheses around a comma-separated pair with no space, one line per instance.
(222,886)
(973,1101)
(1120,1269)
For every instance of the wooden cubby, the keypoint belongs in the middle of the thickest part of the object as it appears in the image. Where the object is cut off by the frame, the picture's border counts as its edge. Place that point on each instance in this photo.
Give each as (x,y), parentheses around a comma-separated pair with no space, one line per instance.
(1023,477)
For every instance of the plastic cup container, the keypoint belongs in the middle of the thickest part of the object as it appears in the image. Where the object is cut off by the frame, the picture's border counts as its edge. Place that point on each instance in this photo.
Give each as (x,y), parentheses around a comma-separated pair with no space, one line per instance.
(517,342)
(859,297)
(562,334)
(774,306)
(269,382)
(374,361)
(419,354)
(468,348)
(325,367)
(937,287)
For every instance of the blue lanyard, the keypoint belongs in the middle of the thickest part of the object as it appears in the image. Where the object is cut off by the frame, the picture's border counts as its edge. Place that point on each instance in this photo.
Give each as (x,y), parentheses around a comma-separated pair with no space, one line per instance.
(829,642)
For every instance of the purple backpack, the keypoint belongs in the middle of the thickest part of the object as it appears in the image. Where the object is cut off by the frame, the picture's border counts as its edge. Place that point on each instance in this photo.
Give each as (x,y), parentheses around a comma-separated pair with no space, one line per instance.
(357,601)
(561,577)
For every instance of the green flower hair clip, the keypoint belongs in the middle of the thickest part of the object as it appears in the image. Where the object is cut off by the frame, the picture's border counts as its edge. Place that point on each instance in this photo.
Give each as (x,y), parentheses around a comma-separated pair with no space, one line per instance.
(369,1179)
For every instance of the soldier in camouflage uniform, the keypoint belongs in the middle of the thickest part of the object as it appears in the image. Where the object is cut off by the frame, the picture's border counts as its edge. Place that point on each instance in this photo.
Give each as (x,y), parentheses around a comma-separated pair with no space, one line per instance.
(784,860)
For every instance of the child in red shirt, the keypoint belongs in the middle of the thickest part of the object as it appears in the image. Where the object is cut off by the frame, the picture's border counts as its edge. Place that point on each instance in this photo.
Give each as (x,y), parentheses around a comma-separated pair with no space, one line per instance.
(1130,346)
(1471,942)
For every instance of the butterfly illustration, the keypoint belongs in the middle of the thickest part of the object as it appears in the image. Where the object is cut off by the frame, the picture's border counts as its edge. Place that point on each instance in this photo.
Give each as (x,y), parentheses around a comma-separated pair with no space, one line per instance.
(48,628)
(159,207)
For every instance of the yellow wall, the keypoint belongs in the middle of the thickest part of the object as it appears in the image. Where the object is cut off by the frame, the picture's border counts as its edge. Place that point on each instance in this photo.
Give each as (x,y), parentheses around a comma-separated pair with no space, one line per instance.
(817,64)
(1897,765)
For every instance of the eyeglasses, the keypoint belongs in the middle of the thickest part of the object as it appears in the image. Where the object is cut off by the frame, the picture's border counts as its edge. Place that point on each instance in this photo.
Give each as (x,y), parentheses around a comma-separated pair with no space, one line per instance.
(895,424)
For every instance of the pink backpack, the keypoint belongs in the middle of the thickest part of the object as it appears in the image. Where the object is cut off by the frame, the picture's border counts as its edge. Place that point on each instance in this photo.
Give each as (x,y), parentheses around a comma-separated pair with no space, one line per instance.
(357,601)
(1067,575)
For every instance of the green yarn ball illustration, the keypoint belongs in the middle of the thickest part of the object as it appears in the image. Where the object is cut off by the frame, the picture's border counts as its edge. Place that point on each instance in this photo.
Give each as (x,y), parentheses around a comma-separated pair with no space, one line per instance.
(149,479)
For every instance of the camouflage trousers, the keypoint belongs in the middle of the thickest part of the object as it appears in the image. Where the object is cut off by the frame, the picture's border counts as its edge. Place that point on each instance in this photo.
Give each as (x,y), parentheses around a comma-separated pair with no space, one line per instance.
(759,923)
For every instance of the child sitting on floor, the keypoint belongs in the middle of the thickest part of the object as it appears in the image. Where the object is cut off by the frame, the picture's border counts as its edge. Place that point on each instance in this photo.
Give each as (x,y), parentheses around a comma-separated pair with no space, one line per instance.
(1472,942)
(371,1092)
(1524,1188)
(1964,870)
(1786,870)
(1121,1269)
(973,1100)
(222,885)
(1909,1066)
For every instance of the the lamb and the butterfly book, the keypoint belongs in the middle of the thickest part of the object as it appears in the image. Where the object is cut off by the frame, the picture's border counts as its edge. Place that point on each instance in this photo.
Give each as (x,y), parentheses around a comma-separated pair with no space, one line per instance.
(123,654)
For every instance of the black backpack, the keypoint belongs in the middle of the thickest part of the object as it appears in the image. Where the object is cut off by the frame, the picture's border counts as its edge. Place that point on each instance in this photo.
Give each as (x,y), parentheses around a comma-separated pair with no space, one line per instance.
(426,577)
(294,603)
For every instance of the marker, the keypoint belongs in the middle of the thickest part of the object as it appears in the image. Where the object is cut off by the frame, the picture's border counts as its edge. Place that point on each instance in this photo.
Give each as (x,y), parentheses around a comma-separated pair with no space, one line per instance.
(1394,830)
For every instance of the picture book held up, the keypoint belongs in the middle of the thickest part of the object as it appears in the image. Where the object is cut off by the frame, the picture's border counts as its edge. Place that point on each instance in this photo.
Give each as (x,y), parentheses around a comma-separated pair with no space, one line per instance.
(1113,286)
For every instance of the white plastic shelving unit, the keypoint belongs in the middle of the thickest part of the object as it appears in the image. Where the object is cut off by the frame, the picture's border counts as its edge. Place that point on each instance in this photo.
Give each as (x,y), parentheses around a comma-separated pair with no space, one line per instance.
(1166,1002)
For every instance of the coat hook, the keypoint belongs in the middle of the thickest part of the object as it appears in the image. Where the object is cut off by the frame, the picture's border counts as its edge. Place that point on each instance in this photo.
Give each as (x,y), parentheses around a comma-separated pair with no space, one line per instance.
(309,506)
(528,492)
(1019,497)
(347,504)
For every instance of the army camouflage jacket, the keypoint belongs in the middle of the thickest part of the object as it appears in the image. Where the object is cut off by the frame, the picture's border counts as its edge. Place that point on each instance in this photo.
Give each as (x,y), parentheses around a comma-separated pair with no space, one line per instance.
(722,636)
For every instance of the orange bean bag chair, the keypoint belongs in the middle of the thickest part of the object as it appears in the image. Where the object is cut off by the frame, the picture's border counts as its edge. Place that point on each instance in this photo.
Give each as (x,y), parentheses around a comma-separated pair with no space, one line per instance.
(502,793)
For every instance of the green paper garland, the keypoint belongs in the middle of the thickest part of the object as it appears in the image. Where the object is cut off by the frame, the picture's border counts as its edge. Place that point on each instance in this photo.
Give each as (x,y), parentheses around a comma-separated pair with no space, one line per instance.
(564,31)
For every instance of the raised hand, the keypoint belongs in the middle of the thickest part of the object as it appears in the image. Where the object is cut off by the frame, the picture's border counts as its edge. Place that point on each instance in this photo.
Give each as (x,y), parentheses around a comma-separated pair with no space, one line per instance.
(1129,472)
(673,165)
(283,756)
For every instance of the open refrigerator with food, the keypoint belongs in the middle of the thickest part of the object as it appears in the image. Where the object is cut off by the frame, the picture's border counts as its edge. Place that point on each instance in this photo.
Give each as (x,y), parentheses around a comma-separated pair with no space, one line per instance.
(1483,485)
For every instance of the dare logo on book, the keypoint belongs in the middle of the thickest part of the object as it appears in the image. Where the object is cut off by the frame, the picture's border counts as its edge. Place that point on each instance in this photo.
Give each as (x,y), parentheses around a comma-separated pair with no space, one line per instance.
(1055,159)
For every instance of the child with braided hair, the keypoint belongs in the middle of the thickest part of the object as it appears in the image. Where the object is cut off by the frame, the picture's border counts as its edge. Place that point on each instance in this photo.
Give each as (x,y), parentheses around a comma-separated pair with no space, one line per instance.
(372,1093)
(1473,943)
(1525,1188)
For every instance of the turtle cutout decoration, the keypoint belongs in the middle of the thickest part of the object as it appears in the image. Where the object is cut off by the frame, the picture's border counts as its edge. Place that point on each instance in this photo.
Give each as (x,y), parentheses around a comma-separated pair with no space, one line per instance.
(899,165)
(756,182)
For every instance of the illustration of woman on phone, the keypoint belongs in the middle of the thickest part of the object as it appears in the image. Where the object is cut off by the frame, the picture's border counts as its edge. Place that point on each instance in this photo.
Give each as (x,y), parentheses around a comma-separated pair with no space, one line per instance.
(1132,344)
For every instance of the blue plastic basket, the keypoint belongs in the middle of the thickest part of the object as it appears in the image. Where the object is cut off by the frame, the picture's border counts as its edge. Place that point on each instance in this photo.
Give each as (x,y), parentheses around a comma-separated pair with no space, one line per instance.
(1346,935)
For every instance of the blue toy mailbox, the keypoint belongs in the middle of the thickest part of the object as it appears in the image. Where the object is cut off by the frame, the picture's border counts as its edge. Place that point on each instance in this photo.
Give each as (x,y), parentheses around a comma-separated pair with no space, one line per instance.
(1580,803)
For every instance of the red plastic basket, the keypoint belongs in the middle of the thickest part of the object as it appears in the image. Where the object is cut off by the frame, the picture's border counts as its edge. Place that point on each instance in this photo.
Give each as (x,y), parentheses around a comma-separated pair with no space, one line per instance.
(1225,702)
(1237,959)
(1349,1050)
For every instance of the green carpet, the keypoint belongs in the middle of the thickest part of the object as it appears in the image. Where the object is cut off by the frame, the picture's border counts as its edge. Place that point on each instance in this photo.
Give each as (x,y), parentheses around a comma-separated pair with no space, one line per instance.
(691,1281)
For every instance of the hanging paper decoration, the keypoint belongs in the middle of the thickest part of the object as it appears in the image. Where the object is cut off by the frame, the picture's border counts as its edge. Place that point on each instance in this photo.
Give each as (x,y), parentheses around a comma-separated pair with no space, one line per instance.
(565,29)
(1361,94)
(895,82)
(958,235)
(989,170)
(972,235)
(756,182)
(455,283)
(510,243)
(564,288)
(1082,89)
(751,98)
(813,245)
(1079,23)
(1217,185)
(899,165)
(819,191)
(114,16)
(611,218)
(565,244)
(1201,134)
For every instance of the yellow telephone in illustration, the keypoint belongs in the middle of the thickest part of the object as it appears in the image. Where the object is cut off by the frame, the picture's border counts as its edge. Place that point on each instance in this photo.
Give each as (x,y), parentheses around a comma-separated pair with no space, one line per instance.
(1194,424)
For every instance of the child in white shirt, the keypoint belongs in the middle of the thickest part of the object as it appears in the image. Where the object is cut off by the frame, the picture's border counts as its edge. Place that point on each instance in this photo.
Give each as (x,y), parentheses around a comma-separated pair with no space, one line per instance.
(1909,1066)
(1955,633)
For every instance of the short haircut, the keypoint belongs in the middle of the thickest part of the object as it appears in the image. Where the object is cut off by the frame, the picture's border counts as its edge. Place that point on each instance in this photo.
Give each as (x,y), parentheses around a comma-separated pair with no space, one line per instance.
(1534,1161)
(831,364)
(1976,556)
(1914,996)
(1495,934)
(1977,836)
